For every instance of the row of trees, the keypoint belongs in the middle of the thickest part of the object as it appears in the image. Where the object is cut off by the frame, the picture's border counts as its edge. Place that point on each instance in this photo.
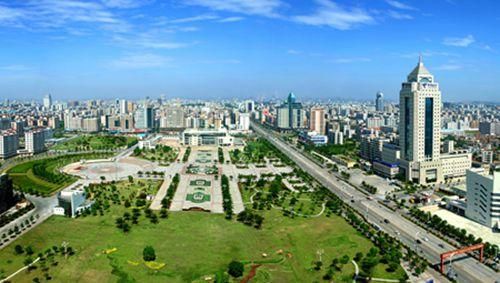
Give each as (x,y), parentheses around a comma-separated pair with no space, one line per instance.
(227,202)
(165,202)
(460,235)
(186,154)
(7,218)
(221,155)
(370,188)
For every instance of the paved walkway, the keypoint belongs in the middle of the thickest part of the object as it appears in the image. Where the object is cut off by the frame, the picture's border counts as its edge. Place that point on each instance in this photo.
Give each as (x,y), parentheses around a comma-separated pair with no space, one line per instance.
(6,279)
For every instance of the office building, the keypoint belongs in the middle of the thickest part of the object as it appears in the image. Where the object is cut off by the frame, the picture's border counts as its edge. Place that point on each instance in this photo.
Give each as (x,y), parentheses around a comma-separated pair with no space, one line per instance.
(144,117)
(173,118)
(72,201)
(197,137)
(420,126)
(244,122)
(317,120)
(483,198)
(91,125)
(47,101)
(123,106)
(379,102)
(290,114)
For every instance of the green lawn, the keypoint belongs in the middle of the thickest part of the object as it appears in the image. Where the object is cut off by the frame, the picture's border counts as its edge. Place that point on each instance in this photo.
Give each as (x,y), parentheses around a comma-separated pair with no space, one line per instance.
(95,142)
(192,245)
(26,179)
(162,153)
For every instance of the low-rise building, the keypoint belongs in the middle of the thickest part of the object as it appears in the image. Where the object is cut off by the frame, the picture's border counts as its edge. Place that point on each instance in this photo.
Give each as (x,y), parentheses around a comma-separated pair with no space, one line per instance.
(72,201)
(483,198)
(197,137)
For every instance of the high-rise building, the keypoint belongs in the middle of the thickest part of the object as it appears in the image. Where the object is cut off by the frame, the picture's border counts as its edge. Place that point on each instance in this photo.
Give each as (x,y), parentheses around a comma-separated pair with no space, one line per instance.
(9,143)
(420,126)
(483,198)
(34,141)
(144,118)
(244,122)
(47,101)
(91,124)
(290,114)
(379,102)
(123,106)
(173,118)
(317,120)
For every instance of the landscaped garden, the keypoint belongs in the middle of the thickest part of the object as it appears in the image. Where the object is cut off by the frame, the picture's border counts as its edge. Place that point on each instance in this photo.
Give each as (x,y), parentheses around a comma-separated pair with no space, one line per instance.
(164,154)
(96,142)
(43,177)
(110,242)
(256,151)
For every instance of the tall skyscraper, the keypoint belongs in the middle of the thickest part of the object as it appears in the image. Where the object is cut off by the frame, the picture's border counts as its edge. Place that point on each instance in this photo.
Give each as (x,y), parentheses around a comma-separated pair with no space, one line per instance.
(290,114)
(420,120)
(379,102)
(144,118)
(317,120)
(47,101)
(123,106)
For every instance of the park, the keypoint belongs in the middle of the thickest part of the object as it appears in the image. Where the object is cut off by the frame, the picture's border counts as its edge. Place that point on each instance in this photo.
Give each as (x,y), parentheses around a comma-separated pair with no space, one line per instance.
(287,229)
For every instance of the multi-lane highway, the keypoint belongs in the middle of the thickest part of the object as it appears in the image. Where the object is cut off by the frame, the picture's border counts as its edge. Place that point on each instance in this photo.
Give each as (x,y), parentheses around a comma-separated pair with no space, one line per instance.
(429,246)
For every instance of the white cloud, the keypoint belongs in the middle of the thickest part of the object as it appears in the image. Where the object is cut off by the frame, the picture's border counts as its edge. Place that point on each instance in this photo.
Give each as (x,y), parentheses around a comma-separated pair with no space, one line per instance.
(399,16)
(459,41)
(449,67)
(152,40)
(293,52)
(194,19)
(332,15)
(267,8)
(400,5)
(140,61)
(126,4)
(231,20)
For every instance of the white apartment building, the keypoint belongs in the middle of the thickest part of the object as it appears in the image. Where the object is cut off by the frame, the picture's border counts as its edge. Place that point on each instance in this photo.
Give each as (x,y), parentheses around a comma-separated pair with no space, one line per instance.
(483,198)
(244,122)
(9,143)
(34,141)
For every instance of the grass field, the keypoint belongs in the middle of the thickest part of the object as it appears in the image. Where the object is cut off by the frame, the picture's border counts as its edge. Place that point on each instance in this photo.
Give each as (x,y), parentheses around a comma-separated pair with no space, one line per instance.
(26,179)
(192,245)
(95,142)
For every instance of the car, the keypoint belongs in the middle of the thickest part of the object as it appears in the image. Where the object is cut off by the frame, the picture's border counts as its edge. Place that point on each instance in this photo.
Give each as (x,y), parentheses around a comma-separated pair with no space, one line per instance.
(441,245)
(352,200)
(418,241)
(398,233)
(386,221)
(426,239)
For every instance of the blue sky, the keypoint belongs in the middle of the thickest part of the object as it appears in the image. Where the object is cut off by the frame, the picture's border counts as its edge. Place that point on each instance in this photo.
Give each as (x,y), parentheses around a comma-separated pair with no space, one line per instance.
(246,48)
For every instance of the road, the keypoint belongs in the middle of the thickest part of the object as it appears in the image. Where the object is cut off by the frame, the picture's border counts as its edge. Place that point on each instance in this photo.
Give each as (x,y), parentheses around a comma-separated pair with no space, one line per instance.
(467,269)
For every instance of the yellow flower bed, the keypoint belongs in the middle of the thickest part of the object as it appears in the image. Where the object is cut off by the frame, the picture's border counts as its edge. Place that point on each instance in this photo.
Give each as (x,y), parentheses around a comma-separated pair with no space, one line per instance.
(154,265)
(134,263)
(108,251)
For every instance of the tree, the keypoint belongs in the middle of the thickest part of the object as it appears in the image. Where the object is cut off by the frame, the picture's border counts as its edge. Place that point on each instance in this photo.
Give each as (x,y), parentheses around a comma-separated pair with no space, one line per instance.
(317,265)
(235,268)
(18,249)
(148,254)
(130,179)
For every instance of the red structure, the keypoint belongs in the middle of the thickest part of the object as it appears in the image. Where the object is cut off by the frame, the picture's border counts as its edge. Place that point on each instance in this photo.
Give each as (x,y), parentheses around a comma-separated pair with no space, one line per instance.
(446,255)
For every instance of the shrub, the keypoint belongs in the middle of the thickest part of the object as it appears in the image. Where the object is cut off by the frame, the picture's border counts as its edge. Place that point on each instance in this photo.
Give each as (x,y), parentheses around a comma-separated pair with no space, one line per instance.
(235,268)
(148,254)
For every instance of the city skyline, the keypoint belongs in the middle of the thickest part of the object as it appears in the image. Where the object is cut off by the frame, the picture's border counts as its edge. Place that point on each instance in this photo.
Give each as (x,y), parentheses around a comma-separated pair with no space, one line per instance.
(245,49)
